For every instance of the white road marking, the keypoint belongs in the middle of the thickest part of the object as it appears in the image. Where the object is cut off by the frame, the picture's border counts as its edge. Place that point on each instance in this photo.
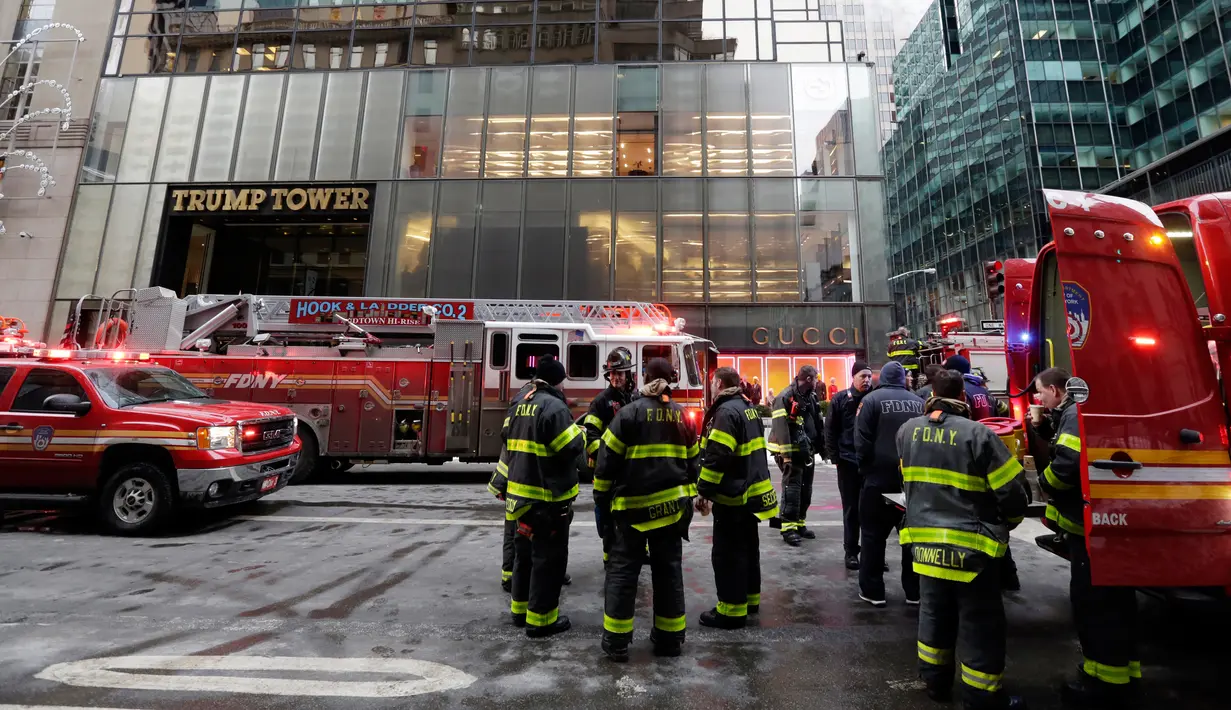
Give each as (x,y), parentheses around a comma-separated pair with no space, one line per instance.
(53,707)
(426,677)
(475,522)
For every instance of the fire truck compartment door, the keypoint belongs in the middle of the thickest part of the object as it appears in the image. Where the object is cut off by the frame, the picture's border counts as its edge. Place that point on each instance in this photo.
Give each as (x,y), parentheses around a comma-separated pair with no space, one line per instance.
(1112,301)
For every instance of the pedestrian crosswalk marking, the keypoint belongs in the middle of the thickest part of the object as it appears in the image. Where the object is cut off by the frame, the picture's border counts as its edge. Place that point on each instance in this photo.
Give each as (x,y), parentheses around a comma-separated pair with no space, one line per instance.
(476,522)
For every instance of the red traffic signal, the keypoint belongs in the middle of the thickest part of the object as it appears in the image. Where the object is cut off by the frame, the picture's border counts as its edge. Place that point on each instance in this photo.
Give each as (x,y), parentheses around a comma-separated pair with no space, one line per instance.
(994,276)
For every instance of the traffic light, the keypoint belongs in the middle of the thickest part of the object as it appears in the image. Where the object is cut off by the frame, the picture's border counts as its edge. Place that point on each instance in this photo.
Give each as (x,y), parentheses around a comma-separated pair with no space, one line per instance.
(993,274)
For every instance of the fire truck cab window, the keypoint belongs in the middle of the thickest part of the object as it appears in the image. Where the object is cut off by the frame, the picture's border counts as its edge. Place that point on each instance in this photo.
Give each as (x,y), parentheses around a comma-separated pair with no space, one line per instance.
(582,361)
(41,384)
(6,374)
(649,352)
(528,355)
(690,364)
(1054,343)
(1180,230)
(500,351)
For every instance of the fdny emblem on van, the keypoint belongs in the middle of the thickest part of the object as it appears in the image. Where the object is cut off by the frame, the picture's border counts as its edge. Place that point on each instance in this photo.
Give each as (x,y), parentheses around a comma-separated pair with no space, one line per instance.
(1077,305)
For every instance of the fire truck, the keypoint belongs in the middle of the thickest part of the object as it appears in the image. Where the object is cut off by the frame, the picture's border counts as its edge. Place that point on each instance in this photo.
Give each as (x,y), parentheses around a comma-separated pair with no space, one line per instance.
(984,349)
(1116,299)
(390,380)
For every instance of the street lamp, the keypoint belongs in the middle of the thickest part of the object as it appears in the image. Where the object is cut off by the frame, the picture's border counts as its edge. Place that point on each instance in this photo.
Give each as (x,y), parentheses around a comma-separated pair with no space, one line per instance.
(909,273)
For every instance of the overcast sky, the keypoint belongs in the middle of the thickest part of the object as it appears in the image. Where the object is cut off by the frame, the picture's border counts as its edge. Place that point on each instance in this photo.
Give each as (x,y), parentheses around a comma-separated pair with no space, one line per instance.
(906,13)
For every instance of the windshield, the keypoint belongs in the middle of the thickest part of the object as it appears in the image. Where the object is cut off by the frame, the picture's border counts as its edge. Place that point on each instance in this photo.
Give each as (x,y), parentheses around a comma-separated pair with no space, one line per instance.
(126,386)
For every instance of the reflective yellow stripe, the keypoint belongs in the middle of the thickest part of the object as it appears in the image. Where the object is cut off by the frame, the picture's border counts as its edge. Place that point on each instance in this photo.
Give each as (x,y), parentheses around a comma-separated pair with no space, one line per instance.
(1054,481)
(781,448)
(1116,675)
(505,576)
(757,489)
(754,600)
(789,525)
(502,468)
(617,626)
(659,523)
(1054,515)
(943,477)
(506,423)
(521,490)
(527,447)
(666,451)
(777,414)
(935,656)
(613,442)
(694,451)
(535,619)
(1004,475)
(566,436)
(516,513)
(709,475)
(594,421)
(1134,669)
(518,607)
(767,514)
(494,490)
(988,682)
(902,353)
(757,444)
(959,538)
(953,575)
(1016,520)
(666,623)
(1069,441)
(592,446)
(732,609)
(723,438)
(647,501)
(602,485)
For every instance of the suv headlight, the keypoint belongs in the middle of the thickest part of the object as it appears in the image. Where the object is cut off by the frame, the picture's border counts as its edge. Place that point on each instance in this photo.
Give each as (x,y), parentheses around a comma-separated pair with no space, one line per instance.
(217,437)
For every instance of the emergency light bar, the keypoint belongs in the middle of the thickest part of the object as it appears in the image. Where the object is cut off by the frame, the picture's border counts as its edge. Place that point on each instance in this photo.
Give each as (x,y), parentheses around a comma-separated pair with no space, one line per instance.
(113,355)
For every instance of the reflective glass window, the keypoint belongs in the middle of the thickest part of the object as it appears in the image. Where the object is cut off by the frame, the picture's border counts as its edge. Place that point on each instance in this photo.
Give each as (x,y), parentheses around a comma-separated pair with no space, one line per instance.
(683,258)
(628,42)
(543,239)
(681,113)
(589,241)
(822,120)
(412,237)
(726,120)
(729,255)
(502,44)
(505,155)
(549,121)
(453,253)
(827,224)
(102,158)
(637,121)
(499,239)
(423,126)
(636,268)
(777,248)
(463,136)
(772,141)
(593,121)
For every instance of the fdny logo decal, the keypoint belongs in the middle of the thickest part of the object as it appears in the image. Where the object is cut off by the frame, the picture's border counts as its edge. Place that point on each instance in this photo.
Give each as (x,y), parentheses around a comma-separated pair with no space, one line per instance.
(1119,519)
(1077,304)
(264,380)
(41,438)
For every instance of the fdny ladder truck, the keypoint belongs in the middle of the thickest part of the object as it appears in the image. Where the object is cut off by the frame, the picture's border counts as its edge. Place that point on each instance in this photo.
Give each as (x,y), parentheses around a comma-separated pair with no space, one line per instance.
(389,380)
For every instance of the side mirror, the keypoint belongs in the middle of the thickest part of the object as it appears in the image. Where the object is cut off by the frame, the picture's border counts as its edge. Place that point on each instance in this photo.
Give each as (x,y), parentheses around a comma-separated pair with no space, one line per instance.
(70,403)
(1077,389)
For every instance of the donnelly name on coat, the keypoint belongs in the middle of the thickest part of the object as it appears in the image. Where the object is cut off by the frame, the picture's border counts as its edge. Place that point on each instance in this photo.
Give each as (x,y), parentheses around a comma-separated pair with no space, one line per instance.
(939,557)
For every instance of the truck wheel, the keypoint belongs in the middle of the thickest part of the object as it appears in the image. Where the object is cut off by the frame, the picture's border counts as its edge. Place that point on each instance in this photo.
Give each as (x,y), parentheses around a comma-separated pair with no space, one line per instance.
(340,465)
(309,459)
(135,500)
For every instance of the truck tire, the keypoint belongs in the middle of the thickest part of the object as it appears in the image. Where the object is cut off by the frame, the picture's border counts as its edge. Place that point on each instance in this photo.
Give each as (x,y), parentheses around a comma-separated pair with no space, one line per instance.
(135,500)
(309,458)
(340,465)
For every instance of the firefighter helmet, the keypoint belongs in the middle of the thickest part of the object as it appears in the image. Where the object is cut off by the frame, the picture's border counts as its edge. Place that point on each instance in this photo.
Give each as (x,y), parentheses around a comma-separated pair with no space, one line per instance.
(619,360)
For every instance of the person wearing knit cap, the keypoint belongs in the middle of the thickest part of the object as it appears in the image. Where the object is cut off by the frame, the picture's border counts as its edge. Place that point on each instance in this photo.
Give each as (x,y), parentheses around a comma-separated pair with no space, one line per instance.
(880,414)
(840,449)
(536,476)
(983,405)
(644,487)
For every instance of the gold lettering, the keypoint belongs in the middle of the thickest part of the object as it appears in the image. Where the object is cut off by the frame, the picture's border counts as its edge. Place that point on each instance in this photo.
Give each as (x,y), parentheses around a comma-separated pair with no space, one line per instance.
(833,338)
(526,410)
(359,198)
(236,200)
(213,200)
(318,198)
(343,200)
(760,336)
(914,435)
(815,340)
(258,196)
(952,436)
(296,199)
(782,338)
(278,193)
(196,200)
(179,196)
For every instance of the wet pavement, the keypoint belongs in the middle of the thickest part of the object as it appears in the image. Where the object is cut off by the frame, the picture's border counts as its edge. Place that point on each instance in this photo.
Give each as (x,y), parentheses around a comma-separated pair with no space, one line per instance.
(384,592)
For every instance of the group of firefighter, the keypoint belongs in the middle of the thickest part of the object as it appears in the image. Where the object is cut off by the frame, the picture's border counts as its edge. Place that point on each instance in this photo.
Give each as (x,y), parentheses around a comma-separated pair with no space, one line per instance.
(964,493)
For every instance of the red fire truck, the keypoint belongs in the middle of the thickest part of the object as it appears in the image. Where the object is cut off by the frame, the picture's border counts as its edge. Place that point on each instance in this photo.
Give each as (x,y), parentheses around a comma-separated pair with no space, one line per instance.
(1114,298)
(389,380)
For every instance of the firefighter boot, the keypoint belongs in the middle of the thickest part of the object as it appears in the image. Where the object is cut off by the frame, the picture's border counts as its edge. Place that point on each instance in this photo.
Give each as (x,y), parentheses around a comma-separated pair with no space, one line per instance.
(1086,692)
(792,538)
(559,626)
(616,647)
(715,620)
(806,534)
(519,620)
(666,644)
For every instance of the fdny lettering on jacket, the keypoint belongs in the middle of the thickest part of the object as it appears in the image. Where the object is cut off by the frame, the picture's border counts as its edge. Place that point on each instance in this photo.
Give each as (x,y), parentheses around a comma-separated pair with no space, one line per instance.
(1111,518)
(663,414)
(939,557)
(526,410)
(900,406)
(934,435)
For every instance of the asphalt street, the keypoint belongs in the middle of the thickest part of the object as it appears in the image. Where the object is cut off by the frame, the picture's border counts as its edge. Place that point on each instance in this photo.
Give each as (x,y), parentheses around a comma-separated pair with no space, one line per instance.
(384,592)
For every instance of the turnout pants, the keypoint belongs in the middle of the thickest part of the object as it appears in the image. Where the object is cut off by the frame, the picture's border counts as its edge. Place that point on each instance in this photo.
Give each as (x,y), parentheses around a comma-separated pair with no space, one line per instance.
(877,519)
(736,556)
(796,493)
(506,564)
(849,484)
(966,617)
(1106,621)
(541,558)
(624,567)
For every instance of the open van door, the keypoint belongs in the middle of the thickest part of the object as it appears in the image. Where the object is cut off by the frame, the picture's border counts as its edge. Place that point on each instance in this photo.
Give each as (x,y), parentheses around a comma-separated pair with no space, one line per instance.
(1019,277)
(1113,307)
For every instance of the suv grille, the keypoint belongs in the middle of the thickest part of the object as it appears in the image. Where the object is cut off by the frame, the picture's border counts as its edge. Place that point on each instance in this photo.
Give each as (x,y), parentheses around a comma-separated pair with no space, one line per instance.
(267,435)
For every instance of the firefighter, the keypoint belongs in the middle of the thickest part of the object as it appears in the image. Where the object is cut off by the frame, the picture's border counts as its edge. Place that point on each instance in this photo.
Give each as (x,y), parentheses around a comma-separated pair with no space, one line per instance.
(542,453)
(735,483)
(618,371)
(904,350)
(880,414)
(793,435)
(929,376)
(840,448)
(644,486)
(964,493)
(1105,617)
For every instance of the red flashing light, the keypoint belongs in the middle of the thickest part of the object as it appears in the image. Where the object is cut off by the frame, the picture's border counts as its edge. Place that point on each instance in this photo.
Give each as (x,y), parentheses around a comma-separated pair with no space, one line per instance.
(1143,341)
(1157,240)
(250,433)
(950,321)
(1222,434)
(59,354)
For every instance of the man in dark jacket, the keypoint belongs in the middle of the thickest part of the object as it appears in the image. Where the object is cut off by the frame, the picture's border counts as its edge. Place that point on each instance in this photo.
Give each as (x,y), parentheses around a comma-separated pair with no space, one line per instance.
(794,433)
(880,414)
(840,448)
(735,481)
(644,487)
(964,493)
(929,374)
(618,370)
(983,405)
(543,452)
(904,350)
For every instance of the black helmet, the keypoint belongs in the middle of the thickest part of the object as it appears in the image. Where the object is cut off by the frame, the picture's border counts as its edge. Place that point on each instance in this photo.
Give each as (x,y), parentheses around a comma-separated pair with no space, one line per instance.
(619,360)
